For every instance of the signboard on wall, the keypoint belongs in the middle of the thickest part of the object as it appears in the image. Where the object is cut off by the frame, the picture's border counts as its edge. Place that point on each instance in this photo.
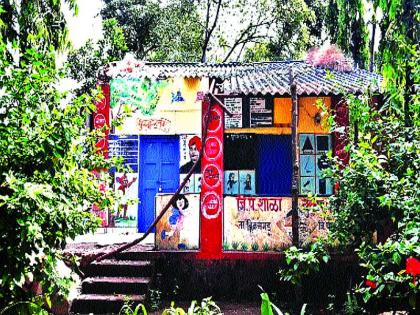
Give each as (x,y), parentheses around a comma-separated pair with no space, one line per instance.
(265,223)
(126,184)
(126,147)
(260,116)
(235,107)
(179,227)
(256,223)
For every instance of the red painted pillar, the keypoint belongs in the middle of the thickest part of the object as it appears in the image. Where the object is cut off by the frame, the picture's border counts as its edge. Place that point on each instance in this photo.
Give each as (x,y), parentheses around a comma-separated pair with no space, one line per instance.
(211,197)
(101,119)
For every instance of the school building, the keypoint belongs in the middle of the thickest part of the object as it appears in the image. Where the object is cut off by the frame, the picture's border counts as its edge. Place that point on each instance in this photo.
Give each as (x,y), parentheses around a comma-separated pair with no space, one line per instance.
(240,116)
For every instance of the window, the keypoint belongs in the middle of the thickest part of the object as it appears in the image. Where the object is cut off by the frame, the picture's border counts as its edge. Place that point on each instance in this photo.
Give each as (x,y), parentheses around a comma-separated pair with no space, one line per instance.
(313,162)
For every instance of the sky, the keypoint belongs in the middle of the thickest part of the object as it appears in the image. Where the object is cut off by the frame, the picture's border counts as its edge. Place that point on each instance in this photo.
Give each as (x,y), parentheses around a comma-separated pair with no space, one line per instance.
(87,24)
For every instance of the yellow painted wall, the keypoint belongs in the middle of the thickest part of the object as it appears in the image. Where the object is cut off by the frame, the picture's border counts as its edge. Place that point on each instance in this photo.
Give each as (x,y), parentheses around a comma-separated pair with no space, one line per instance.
(179,117)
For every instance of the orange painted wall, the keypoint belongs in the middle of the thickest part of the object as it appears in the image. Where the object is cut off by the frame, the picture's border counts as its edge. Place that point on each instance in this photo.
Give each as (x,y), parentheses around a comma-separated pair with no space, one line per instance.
(282,111)
(307,113)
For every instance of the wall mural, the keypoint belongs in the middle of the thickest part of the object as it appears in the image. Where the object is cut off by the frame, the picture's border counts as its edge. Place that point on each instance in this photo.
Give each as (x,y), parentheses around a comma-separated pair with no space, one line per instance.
(265,223)
(193,184)
(139,93)
(157,107)
(256,223)
(179,227)
(126,184)
(247,182)
(313,220)
(231,182)
(189,146)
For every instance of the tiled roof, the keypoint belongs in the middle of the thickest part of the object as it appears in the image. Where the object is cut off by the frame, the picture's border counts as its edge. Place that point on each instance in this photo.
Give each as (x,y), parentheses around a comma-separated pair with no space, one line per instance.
(254,78)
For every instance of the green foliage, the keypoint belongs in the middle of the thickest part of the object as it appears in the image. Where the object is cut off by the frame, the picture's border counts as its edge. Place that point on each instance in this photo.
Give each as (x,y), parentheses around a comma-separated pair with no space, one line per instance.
(23,308)
(47,186)
(35,24)
(376,209)
(157,32)
(154,299)
(267,306)
(184,30)
(128,310)
(206,307)
(301,263)
(291,17)
(83,63)
(288,18)
(347,28)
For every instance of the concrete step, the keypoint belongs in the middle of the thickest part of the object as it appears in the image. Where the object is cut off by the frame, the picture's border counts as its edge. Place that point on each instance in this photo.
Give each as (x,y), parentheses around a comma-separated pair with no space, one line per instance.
(116,268)
(103,304)
(117,285)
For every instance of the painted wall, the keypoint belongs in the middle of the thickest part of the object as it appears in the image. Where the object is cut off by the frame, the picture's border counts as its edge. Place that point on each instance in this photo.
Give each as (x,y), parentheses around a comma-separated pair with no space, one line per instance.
(179,227)
(247,119)
(308,111)
(164,107)
(256,224)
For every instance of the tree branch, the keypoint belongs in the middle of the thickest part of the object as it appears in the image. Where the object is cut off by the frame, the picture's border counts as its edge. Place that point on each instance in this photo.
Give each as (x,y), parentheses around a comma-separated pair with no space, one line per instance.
(208,32)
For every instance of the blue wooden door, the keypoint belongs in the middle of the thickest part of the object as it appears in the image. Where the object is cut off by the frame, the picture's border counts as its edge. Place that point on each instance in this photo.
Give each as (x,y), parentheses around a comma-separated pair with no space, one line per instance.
(159,173)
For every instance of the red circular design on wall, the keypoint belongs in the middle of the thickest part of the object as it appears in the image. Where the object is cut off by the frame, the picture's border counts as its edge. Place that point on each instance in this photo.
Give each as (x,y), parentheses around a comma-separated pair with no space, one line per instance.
(210,205)
(212,148)
(211,175)
(100,144)
(101,104)
(99,121)
(215,120)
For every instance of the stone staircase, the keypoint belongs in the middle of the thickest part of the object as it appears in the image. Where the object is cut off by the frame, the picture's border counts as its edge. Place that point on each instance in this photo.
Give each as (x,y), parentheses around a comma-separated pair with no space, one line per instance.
(112,282)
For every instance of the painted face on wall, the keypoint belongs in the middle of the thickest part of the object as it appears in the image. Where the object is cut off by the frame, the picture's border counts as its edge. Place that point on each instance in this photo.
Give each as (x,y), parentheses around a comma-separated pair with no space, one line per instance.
(180,203)
(194,153)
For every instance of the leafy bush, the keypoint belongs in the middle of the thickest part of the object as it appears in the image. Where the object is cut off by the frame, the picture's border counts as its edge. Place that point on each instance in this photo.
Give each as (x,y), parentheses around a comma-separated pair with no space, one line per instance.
(47,183)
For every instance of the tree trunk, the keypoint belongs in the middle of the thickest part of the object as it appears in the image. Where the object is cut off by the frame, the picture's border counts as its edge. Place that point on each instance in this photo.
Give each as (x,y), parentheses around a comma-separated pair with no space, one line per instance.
(372,45)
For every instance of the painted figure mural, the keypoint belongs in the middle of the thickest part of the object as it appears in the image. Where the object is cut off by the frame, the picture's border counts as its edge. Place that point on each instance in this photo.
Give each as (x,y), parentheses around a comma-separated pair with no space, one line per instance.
(194,147)
(179,227)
